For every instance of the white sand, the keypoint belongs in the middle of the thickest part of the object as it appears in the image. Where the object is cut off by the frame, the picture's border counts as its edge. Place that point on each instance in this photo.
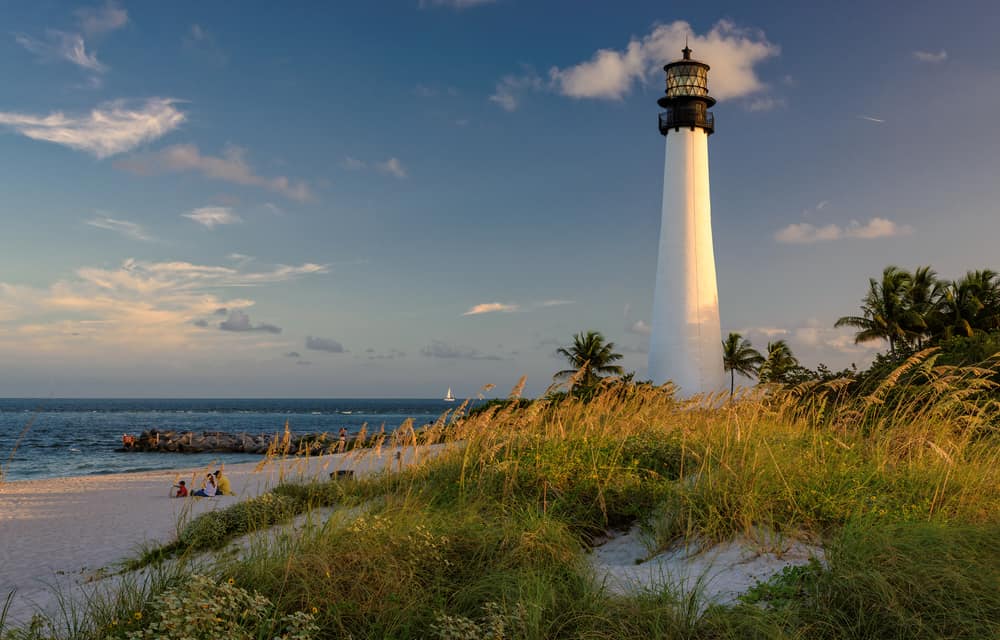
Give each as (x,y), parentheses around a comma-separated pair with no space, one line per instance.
(717,574)
(58,533)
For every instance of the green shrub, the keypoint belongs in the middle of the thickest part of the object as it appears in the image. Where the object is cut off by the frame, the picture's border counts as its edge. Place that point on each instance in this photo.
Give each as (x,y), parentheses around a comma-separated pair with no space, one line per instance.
(214,528)
(204,609)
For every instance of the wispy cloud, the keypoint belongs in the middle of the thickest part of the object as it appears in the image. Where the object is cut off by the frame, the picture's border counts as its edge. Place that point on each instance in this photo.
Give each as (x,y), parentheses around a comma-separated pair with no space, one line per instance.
(766,103)
(610,74)
(510,88)
(231,166)
(931,56)
(328,345)
(70,46)
(213,216)
(140,306)
(392,167)
(109,129)
(95,21)
(353,163)
(124,227)
(805,233)
(872,119)
(60,45)
(503,307)
(454,4)
(199,42)
(447,351)
(491,307)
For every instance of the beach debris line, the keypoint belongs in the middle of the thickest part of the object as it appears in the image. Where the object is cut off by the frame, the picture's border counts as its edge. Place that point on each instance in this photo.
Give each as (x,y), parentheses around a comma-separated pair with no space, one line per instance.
(156,441)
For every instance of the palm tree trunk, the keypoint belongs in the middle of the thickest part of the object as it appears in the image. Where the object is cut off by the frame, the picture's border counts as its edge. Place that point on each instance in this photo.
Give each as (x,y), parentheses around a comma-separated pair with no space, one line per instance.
(732,383)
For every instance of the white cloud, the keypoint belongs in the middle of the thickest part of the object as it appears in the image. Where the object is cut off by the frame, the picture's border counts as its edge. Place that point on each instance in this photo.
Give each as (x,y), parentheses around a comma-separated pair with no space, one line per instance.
(731,51)
(931,56)
(212,216)
(872,119)
(556,302)
(124,227)
(805,233)
(491,307)
(108,129)
(454,4)
(231,166)
(60,45)
(639,328)
(101,20)
(393,167)
(353,163)
(813,341)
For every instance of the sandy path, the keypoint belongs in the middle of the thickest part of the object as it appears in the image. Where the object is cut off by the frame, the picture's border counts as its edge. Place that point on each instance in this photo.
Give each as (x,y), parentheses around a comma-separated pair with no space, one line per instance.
(58,532)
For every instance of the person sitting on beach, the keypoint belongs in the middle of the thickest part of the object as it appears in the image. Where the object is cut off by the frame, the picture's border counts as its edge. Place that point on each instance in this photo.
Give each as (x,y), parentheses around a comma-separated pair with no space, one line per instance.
(182,490)
(222,484)
(208,489)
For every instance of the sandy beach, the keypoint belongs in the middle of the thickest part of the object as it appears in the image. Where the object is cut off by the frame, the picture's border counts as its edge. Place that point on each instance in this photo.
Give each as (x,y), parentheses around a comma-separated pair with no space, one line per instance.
(58,533)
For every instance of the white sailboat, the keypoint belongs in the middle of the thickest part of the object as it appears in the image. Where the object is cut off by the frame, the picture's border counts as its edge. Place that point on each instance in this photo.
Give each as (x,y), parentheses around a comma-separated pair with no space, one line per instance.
(448,397)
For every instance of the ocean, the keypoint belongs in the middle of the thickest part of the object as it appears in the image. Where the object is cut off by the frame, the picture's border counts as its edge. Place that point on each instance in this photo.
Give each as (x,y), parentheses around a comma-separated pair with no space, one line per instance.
(72,437)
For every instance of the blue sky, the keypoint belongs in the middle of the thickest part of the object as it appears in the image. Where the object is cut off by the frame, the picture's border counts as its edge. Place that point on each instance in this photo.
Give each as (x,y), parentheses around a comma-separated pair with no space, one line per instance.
(390,198)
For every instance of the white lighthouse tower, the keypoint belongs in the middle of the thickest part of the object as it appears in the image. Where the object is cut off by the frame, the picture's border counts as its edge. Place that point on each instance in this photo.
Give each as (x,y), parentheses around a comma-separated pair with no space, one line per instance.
(685,344)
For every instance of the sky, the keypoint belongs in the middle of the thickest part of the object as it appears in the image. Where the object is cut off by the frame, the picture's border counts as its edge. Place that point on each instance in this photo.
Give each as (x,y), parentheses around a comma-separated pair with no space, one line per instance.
(386,199)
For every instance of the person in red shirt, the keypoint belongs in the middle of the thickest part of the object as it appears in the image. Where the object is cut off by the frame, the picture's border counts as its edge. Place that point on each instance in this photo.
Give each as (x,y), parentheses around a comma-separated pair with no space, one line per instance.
(182,490)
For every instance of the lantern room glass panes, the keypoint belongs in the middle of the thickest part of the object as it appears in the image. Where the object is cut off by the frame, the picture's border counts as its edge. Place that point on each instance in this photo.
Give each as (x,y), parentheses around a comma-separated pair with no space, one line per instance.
(687,80)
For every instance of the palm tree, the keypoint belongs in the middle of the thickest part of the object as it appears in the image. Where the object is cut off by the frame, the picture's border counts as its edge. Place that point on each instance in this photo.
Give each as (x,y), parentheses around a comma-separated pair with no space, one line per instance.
(970,303)
(591,358)
(739,356)
(778,363)
(885,315)
(921,298)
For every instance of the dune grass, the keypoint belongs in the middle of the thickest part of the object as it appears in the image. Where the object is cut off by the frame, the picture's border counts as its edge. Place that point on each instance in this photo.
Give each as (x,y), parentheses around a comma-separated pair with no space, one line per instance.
(489,538)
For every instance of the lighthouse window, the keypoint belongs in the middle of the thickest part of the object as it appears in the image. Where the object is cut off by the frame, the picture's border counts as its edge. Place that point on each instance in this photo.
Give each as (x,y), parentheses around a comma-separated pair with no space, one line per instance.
(687,80)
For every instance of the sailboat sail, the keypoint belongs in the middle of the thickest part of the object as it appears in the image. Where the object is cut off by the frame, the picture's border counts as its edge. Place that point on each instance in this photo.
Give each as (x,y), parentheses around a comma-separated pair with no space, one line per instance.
(448,397)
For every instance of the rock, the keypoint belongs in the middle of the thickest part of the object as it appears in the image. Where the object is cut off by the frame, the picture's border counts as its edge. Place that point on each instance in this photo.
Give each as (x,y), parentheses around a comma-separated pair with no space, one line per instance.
(224,442)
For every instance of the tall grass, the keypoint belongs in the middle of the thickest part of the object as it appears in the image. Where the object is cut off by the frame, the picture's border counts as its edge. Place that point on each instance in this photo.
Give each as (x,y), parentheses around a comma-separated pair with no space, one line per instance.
(488,538)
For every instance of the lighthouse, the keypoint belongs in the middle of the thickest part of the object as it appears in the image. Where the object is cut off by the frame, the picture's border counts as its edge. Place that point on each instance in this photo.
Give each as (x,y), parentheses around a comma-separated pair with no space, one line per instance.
(685,344)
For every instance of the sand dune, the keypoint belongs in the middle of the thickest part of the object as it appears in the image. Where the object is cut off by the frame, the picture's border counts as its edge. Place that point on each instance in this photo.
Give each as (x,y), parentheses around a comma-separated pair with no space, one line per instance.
(58,533)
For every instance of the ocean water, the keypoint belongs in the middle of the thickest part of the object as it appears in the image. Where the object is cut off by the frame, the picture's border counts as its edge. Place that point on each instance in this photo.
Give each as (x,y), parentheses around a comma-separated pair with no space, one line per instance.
(72,437)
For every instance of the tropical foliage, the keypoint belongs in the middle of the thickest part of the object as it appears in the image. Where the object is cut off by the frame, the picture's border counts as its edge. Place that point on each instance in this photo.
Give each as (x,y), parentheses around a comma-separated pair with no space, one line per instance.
(590,359)
(912,310)
(779,365)
(739,356)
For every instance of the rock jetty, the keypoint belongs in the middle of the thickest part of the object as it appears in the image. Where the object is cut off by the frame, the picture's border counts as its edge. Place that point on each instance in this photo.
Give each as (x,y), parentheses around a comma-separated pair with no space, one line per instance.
(223,442)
